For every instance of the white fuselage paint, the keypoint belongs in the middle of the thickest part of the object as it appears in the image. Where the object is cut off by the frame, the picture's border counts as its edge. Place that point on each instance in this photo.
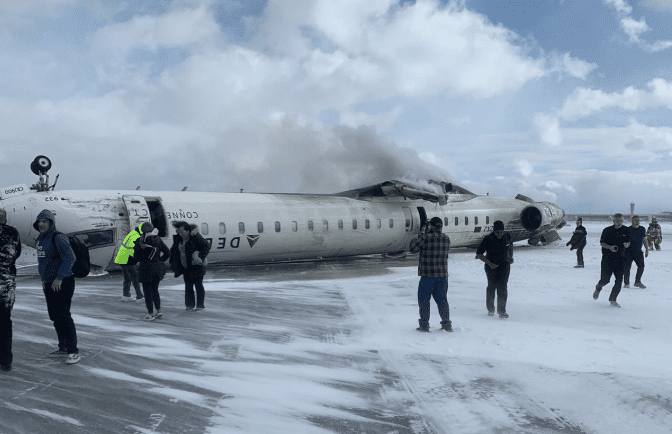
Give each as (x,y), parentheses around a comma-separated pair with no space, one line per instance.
(276,226)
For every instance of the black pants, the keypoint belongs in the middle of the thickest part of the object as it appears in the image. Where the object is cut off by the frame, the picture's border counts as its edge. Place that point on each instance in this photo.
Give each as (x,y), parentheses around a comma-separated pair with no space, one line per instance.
(189,284)
(7,288)
(131,277)
(58,306)
(152,297)
(611,265)
(498,279)
(638,257)
(579,255)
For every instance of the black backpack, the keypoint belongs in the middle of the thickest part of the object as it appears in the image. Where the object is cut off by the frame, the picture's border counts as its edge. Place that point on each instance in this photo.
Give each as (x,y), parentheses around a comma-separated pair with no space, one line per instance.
(82,264)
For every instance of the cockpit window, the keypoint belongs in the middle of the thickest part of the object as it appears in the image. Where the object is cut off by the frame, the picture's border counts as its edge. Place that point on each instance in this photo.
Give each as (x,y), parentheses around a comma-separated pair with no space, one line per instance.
(96,238)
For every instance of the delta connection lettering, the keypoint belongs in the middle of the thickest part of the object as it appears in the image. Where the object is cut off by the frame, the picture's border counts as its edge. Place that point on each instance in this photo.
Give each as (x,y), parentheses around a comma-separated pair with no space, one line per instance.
(234,243)
(182,215)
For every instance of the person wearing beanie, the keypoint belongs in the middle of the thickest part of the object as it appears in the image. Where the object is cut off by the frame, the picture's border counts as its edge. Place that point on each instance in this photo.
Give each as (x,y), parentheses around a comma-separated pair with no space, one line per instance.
(578,242)
(433,246)
(498,250)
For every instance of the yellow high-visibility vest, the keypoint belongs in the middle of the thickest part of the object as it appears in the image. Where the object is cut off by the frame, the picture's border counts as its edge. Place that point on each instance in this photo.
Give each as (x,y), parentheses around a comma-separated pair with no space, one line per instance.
(126,248)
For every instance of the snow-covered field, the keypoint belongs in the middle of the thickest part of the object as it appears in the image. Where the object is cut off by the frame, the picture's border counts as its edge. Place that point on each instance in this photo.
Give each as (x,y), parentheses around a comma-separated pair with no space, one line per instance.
(315,351)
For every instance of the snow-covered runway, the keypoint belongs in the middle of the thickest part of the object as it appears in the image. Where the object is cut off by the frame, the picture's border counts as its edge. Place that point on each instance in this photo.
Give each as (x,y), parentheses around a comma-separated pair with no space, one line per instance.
(332,347)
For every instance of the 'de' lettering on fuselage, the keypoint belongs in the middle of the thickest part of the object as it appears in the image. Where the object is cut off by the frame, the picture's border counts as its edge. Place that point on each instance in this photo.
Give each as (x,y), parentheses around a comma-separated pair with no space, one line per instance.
(245,228)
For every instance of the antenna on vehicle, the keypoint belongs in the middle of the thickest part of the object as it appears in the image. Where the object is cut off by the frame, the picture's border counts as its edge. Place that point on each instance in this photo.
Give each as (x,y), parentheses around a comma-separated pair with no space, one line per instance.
(40,166)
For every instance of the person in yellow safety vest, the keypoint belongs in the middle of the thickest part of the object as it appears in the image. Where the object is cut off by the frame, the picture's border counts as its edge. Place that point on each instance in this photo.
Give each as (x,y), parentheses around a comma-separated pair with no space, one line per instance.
(129,265)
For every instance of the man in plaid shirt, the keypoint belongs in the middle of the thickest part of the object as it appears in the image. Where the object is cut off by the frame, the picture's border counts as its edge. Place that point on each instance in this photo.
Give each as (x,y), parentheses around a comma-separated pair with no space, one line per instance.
(433,247)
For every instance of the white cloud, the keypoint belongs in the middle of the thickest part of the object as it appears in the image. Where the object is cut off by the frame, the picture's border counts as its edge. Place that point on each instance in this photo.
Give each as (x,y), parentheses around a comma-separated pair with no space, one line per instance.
(566,64)
(620,5)
(524,167)
(547,130)
(585,102)
(634,28)
(382,122)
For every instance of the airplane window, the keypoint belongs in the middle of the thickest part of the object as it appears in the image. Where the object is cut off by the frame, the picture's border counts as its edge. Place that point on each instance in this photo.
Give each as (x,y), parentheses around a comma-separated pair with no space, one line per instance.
(310,225)
(487,220)
(408,223)
(391,223)
(222,228)
(475,220)
(457,221)
(366,224)
(277,226)
(378,224)
(325,225)
(260,227)
(354,224)
(445,221)
(466,221)
(241,228)
(204,229)
(340,225)
(295,226)
(95,239)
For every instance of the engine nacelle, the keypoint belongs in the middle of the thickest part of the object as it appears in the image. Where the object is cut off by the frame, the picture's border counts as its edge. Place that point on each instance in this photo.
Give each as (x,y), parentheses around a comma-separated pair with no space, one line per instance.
(541,217)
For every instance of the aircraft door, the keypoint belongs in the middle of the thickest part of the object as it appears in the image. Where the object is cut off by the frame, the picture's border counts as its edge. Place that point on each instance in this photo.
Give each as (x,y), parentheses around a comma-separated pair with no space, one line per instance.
(423,216)
(138,211)
(408,219)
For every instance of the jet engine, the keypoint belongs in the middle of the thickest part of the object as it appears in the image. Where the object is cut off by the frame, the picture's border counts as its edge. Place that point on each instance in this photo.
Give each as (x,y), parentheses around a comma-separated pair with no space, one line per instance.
(542,219)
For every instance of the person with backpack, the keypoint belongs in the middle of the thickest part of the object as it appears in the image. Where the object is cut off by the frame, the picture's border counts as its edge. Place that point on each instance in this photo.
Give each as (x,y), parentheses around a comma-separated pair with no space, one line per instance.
(55,259)
(10,250)
(188,257)
(151,253)
(498,258)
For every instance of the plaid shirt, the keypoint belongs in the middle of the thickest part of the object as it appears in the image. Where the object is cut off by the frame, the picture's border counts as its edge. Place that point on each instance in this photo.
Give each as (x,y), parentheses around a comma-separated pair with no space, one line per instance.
(433,248)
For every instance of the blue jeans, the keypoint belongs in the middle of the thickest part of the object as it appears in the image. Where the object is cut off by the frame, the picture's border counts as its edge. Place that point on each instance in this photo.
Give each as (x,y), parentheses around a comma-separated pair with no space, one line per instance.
(436,287)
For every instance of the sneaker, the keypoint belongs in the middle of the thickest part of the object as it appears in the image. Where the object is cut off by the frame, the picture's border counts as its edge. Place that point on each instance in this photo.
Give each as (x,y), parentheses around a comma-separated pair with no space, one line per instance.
(614,304)
(447,327)
(640,285)
(189,309)
(596,294)
(72,359)
(148,317)
(158,313)
(127,298)
(503,315)
(139,298)
(578,266)
(199,309)
(6,368)
(57,353)
(491,313)
(423,329)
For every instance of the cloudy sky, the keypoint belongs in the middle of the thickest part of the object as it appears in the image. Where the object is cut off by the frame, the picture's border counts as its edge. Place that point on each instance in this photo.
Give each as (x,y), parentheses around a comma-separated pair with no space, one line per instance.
(560,100)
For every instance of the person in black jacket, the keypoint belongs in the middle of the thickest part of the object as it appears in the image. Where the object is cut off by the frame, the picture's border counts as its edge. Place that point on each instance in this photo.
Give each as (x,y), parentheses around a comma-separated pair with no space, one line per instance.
(188,258)
(151,253)
(578,242)
(614,240)
(10,250)
(498,249)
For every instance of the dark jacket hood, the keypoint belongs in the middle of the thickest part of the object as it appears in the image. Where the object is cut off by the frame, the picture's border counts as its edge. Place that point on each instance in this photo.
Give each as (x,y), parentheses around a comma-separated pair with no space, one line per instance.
(47,215)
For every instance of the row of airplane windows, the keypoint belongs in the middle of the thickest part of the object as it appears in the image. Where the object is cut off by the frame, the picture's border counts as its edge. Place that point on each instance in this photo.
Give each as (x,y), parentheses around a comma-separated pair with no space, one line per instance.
(325,225)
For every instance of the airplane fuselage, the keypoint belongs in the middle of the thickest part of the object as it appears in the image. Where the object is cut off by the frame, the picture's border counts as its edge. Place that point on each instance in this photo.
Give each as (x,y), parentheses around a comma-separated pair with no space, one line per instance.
(247,228)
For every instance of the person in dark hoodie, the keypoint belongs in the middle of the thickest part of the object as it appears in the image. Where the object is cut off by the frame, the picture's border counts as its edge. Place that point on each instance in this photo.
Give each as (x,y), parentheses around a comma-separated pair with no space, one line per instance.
(578,242)
(496,251)
(151,253)
(55,259)
(188,258)
(10,250)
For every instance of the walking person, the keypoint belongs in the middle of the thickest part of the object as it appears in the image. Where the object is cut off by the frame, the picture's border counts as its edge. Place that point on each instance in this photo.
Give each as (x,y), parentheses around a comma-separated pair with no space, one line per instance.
(498,258)
(433,247)
(10,250)
(151,253)
(634,253)
(578,242)
(188,258)
(654,234)
(129,266)
(614,240)
(55,259)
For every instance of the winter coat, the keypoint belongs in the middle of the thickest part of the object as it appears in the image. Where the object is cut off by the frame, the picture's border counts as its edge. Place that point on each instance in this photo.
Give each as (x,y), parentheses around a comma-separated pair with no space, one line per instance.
(125,253)
(578,240)
(55,259)
(10,249)
(151,253)
(195,243)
